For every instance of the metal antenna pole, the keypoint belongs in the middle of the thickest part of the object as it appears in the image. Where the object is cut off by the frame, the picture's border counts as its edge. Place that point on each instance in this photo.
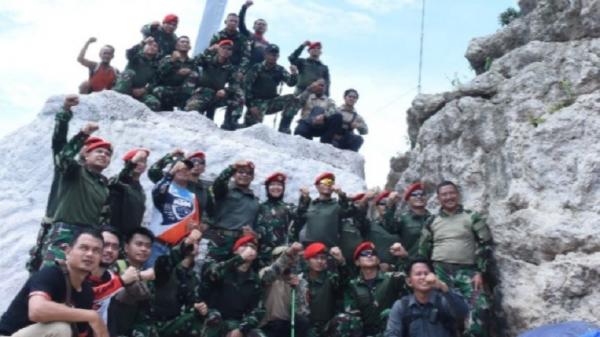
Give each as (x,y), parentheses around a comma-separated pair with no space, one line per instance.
(421,46)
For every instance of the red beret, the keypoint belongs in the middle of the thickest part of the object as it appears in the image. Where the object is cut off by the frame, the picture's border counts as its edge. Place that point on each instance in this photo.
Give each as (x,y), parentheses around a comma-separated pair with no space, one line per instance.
(198,154)
(225,42)
(314,45)
(91,140)
(170,18)
(324,175)
(314,249)
(367,245)
(382,196)
(244,240)
(358,197)
(131,153)
(276,177)
(411,188)
(98,144)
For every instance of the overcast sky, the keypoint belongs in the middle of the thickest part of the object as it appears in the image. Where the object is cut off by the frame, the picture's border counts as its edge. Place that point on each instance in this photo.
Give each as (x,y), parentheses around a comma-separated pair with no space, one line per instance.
(370,45)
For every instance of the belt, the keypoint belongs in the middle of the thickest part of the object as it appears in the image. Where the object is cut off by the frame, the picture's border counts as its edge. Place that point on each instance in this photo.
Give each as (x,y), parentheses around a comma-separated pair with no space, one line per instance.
(454,267)
(228,232)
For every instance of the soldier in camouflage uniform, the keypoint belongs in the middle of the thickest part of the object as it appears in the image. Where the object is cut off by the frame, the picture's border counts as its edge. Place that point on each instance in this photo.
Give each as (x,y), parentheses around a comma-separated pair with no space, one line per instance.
(274,218)
(257,40)
(311,68)
(163,34)
(283,283)
(217,85)
(139,75)
(356,227)
(176,77)
(176,308)
(261,85)
(59,139)
(379,235)
(409,224)
(200,187)
(233,289)
(235,208)
(369,297)
(82,198)
(240,47)
(324,287)
(459,243)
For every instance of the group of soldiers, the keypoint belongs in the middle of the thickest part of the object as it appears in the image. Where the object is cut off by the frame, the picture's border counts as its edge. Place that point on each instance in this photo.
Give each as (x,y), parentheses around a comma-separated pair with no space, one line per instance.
(238,69)
(215,261)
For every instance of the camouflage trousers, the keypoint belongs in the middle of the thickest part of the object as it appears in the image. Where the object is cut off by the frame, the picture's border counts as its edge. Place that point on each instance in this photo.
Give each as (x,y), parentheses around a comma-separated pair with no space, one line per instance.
(35,253)
(59,237)
(170,96)
(204,101)
(479,303)
(258,108)
(221,244)
(217,327)
(341,325)
(187,324)
(124,85)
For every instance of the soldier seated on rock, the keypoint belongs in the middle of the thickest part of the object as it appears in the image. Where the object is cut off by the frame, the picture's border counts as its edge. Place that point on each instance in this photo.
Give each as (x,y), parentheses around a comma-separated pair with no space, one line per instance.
(459,243)
(432,310)
(176,76)
(351,120)
(163,34)
(101,75)
(218,85)
(261,84)
(139,75)
(319,117)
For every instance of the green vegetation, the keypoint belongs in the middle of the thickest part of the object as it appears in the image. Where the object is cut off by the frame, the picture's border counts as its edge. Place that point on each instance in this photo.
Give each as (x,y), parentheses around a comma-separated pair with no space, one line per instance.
(508,16)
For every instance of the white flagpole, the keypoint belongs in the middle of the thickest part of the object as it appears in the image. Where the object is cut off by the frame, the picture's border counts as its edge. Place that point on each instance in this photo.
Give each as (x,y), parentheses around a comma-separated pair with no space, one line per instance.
(211,21)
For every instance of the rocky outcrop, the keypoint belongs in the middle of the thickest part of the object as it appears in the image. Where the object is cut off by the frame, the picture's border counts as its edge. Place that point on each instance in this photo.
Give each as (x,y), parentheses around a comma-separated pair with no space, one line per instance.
(522,139)
(26,173)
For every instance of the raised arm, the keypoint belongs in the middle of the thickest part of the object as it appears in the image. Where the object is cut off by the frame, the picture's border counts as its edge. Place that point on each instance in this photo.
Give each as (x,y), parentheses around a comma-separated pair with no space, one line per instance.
(81,57)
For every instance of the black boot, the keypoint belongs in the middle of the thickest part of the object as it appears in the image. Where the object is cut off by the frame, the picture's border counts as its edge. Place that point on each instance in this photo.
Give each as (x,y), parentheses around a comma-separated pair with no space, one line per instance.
(284,125)
(230,121)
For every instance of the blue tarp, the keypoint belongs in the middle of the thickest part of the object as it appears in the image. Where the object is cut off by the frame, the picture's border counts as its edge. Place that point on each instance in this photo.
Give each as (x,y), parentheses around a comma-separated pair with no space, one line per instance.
(567,329)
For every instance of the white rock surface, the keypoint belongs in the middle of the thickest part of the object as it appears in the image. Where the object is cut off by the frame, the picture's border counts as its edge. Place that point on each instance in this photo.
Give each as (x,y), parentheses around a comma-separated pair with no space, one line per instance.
(26,170)
(539,185)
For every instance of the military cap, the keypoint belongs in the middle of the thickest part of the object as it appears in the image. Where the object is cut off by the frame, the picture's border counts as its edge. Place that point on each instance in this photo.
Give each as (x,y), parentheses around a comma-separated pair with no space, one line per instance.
(367,245)
(411,188)
(171,18)
(197,154)
(358,197)
(314,249)
(244,240)
(276,177)
(324,175)
(225,42)
(382,196)
(103,143)
(131,153)
(314,45)
(272,48)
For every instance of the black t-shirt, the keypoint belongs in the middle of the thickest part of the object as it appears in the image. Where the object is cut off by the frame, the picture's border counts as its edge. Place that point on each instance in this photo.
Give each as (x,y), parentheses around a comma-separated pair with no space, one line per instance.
(51,282)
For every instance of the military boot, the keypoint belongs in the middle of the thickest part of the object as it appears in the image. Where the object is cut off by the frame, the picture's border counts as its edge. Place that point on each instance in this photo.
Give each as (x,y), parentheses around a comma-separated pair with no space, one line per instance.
(230,121)
(284,125)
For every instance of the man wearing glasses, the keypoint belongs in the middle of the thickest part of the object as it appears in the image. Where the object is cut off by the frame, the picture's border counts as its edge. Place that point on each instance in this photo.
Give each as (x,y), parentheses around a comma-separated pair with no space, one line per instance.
(235,208)
(410,223)
(459,243)
(373,291)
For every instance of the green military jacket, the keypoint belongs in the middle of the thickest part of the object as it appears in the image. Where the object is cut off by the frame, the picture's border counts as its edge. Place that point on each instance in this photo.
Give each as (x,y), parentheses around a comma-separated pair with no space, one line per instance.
(200,188)
(309,70)
(83,194)
(215,75)
(460,238)
(59,139)
(262,81)
(234,207)
(167,71)
(323,292)
(322,219)
(127,200)
(408,226)
(383,240)
(368,299)
(272,226)
(354,230)
(241,48)
(233,293)
(166,41)
(145,68)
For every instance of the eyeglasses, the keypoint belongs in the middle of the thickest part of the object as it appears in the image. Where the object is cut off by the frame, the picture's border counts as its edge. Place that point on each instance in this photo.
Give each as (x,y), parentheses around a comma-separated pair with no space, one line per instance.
(367,253)
(245,173)
(327,182)
(417,194)
(198,161)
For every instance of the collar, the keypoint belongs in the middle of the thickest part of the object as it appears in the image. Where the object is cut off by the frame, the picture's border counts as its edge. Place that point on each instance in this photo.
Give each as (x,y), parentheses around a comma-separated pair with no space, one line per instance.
(418,216)
(459,210)
(377,278)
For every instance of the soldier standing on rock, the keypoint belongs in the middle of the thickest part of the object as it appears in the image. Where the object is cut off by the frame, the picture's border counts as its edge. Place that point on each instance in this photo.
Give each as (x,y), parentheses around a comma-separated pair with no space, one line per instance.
(459,243)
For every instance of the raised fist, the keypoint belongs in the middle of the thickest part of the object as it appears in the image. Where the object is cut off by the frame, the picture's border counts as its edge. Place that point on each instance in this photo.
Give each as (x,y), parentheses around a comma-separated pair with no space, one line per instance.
(202,308)
(92,40)
(70,101)
(180,165)
(304,192)
(90,128)
(295,248)
(293,69)
(398,250)
(307,43)
(139,156)
(336,253)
